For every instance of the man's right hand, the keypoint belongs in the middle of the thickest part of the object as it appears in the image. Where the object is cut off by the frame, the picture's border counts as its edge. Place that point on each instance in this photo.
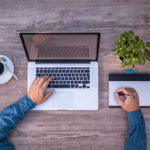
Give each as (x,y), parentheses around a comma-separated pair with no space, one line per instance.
(37,90)
(128,104)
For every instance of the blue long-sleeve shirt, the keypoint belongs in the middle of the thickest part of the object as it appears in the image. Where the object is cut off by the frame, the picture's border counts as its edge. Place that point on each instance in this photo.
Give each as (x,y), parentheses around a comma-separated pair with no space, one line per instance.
(12,114)
(9,117)
(136,132)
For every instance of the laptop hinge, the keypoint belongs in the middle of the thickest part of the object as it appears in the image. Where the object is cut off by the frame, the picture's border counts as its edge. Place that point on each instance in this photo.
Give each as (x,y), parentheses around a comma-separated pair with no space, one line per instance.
(62,61)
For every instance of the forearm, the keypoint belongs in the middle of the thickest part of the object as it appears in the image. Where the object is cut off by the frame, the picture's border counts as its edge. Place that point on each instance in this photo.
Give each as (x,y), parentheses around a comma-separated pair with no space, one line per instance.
(12,114)
(136,133)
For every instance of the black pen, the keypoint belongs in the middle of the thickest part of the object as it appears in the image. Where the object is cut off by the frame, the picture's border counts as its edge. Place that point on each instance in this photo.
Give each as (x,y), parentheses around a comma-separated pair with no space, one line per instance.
(126,95)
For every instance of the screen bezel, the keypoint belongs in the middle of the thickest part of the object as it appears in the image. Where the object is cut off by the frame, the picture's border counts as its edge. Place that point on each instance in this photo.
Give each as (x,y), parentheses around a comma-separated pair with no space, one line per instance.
(26,52)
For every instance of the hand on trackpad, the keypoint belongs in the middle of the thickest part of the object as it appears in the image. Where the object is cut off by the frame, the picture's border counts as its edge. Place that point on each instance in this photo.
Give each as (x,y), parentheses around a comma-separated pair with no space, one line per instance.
(62,99)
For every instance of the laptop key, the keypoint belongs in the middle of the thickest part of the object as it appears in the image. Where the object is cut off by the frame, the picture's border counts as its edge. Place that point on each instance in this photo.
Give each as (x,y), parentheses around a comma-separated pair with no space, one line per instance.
(64,82)
(76,86)
(87,71)
(49,86)
(85,82)
(70,78)
(60,86)
(55,78)
(72,86)
(66,78)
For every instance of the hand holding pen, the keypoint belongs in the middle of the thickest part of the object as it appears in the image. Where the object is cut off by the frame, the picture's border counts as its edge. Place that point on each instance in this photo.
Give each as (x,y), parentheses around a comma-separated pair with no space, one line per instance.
(126,95)
(130,101)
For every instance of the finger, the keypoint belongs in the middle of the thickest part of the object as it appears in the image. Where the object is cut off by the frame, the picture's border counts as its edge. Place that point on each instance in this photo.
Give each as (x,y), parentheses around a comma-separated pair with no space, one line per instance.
(133,93)
(45,84)
(123,90)
(120,102)
(48,94)
(37,80)
(42,80)
(131,90)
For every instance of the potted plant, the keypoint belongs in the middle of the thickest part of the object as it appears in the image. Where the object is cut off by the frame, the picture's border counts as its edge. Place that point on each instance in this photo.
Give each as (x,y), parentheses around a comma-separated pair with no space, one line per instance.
(131,50)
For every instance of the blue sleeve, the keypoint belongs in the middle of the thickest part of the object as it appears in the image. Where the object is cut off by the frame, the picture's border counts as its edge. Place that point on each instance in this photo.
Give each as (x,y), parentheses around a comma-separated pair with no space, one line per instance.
(9,117)
(136,133)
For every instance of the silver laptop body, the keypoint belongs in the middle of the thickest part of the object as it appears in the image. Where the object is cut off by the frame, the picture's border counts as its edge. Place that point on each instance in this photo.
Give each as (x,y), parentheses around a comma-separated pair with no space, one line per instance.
(72,59)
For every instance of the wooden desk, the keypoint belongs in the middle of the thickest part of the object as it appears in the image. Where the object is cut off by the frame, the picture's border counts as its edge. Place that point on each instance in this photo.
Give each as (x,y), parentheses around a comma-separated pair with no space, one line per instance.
(105,129)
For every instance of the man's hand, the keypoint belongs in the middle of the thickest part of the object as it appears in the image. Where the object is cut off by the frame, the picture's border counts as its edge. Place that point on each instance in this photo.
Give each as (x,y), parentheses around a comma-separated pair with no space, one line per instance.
(128,104)
(37,90)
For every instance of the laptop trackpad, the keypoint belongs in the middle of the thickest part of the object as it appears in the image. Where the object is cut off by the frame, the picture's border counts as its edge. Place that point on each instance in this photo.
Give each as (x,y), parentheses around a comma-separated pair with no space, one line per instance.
(62,99)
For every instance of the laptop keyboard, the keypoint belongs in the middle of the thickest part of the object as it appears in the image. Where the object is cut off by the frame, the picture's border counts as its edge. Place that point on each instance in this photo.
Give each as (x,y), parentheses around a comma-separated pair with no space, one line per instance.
(66,77)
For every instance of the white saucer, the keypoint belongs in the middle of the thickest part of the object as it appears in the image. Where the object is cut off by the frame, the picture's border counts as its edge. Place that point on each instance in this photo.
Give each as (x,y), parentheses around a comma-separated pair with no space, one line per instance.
(6,75)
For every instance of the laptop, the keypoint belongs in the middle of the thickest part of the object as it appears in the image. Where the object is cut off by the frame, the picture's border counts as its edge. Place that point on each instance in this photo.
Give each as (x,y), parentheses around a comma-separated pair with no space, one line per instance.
(72,60)
(140,82)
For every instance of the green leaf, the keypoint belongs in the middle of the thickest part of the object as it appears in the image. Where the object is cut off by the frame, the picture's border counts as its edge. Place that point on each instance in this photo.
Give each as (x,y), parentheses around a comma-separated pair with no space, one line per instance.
(142,43)
(131,33)
(147,44)
(134,60)
(142,60)
(128,60)
(141,52)
(123,64)
(118,54)
(133,50)
(129,49)
(133,65)
(147,54)
(138,45)
(137,38)
(120,48)
(148,58)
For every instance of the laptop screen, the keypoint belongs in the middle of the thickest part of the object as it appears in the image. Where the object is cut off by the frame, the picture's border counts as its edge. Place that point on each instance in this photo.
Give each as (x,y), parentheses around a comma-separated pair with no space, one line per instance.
(61,46)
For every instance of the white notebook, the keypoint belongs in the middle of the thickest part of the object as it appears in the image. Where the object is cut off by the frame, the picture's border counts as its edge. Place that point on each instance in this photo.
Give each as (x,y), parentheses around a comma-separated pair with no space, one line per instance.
(140,82)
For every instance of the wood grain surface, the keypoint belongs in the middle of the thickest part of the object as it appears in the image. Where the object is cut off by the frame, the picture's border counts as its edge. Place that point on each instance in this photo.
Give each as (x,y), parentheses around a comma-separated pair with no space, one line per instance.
(105,129)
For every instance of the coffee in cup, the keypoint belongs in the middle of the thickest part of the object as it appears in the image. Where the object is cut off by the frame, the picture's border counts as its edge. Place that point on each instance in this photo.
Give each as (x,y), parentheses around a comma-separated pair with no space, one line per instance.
(1,68)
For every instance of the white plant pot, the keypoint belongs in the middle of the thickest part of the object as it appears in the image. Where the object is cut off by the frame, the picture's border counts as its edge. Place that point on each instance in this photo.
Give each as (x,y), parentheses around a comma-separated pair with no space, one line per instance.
(120,59)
